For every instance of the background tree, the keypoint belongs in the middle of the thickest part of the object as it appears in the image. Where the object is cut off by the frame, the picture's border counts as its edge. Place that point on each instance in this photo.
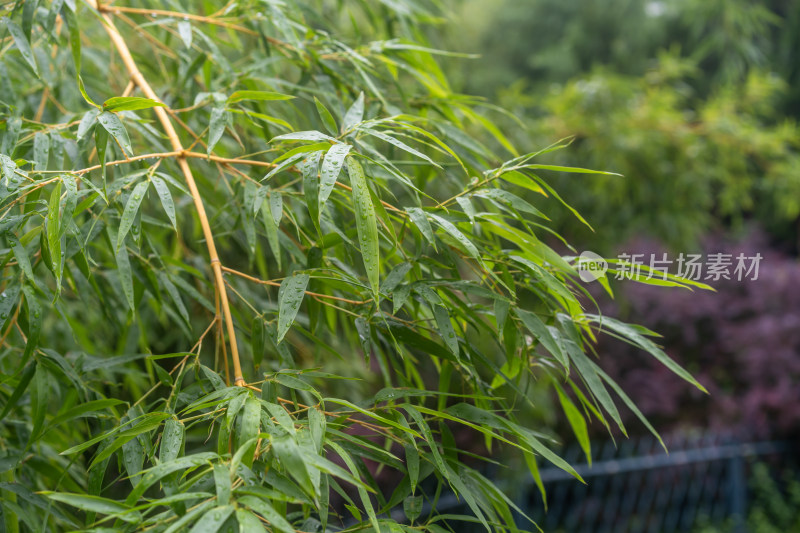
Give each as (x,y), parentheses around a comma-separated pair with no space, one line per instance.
(693,102)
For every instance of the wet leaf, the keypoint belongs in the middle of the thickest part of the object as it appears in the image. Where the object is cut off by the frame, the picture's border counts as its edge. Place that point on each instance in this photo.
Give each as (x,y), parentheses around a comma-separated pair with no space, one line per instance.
(290,296)
(366,223)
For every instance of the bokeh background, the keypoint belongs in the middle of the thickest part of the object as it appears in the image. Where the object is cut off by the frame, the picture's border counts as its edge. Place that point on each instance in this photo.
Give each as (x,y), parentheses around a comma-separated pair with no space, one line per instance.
(696,103)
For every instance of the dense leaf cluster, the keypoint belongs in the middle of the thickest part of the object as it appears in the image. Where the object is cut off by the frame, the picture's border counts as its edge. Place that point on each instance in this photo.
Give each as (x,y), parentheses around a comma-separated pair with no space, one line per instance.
(250,267)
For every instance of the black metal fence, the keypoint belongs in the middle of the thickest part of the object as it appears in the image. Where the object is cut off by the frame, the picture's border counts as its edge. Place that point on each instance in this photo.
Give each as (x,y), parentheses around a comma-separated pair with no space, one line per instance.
(635,486)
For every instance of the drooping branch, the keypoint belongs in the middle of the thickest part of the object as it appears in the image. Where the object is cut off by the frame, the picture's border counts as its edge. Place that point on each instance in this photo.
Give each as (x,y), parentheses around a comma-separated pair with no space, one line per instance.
(163,117)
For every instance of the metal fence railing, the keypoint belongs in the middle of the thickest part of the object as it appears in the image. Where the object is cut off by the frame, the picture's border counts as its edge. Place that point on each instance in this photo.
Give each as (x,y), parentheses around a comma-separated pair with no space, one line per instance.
(634,486)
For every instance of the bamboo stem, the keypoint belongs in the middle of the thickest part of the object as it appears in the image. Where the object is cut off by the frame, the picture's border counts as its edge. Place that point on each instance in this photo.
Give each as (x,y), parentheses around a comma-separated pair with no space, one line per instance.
(163,117)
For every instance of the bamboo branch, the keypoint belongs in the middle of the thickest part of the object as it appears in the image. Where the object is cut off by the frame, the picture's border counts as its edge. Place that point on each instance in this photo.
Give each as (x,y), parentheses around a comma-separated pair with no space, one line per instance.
(169,130)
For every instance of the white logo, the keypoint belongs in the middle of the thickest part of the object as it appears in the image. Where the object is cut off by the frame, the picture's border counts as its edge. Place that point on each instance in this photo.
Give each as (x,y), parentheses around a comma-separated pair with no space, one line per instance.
(591,266)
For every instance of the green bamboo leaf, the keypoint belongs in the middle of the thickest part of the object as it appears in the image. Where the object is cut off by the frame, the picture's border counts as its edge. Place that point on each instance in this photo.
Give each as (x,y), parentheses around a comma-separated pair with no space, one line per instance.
(153,475)
(365,499)
(52,227)
(189,517)
(250,419)
(400,144)
(34,309)
(96,504)
(509,199)
(420,219)
(327,118)
(239,96)
(428,436)
(588,371)
(366,224)
(290,296)
(631,405)
(21,254)
(126,437)
(22,386)
(74,36)
(276,205)
(446,330)
(8,299)
(248,522)
(171,440)
(151,420)
(329,173)
(220,119)
(544,335)
(40,389)
(533,467)
(70,203)
(275,519)
(212,520)
(83,409)
(101,144)
(21,43)
(293,459)
(175,296)
(41,150)
(454,232)
(634,335)
(412,464)
(303,136)
(257,337)
(577,422)
(185,33)
(166,199)
(317,426)
(271,229)
(222,481)
(131,208)
(412,507)
(85,95)
(309,167)
(569,169)
(296,383)
(129,103)
(113,125)
(354,114)
(125,275)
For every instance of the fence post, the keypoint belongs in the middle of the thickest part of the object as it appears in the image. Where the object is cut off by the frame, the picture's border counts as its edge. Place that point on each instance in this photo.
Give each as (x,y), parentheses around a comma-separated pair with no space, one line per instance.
(738,493)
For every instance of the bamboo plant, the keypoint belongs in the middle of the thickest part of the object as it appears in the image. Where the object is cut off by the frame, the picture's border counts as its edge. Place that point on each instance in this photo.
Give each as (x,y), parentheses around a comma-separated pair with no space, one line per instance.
(264,270)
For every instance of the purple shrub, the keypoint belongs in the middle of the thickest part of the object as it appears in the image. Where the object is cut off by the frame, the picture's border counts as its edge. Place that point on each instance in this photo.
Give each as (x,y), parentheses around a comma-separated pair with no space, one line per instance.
(742,343)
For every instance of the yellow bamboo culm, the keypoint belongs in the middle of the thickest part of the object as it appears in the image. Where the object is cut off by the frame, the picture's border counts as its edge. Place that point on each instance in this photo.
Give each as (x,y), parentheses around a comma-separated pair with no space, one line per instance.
(163,117)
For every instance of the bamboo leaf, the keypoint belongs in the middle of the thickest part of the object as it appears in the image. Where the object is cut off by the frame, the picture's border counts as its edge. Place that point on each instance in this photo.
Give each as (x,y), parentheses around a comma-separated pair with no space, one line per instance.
(327,118)
(95,504)
(21,43)
(275,519)
(329,173)
(212,520)
(366,224)
(185,33)
(290,296)
(129,103)
(240,96)
(354,114)
(166,199)
(113,125)
(131,208)
(216,126)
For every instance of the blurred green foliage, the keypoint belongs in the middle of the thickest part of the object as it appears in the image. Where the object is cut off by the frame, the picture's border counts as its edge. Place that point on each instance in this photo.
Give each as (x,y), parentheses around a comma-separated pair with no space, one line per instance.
(694,102)
(774,508)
